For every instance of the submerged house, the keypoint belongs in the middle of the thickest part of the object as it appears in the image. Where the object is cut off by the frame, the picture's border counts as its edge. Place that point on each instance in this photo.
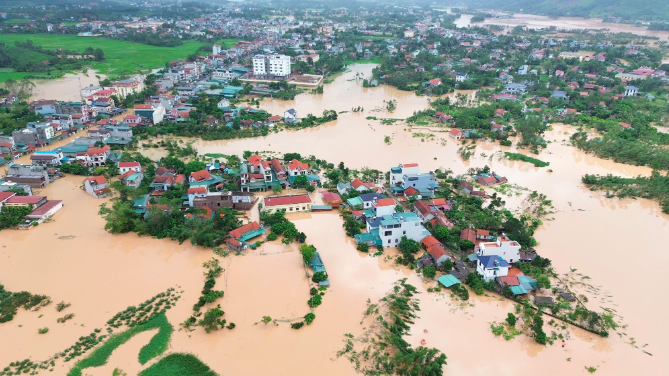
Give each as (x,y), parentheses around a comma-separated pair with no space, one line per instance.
(238,239)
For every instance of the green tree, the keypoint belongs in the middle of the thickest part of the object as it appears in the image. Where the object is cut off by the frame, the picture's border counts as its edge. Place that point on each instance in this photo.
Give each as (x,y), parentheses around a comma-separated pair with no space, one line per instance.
(11,216)
(466,245)
(429,272)
(193,166)
(442,233)
(276,189)
(511,319)
(301,181)
(212,319)
(408,248)
(308,251)
(319,277)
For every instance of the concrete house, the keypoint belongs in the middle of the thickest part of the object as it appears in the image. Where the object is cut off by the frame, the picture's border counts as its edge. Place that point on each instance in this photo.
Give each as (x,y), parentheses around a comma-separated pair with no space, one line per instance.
(291,203)
(384,206)
(393,228)
(296,168)
(34,176)
(290,116)
(96,186)
(47,158)
(396,173)
(491,267)
(368,198)
(631,91)
(129,166)
(503,247)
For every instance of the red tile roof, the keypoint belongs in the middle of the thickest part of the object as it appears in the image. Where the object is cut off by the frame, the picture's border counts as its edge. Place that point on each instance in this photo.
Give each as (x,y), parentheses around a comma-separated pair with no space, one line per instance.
(276,164)
(6,195)
(384,202)
(197,190)
(254,160)
(410,165)
(468,234)
(128,164)
(436,251)
(238,232)
(45,207)
(200,175)
(422,208)
(143,107)
(509,280)
(455,132)
(330,197)
(287,200)
(24,199)
(96,179)
(179,179)
(410,191)
(482,232)
(297,165)
(429,240)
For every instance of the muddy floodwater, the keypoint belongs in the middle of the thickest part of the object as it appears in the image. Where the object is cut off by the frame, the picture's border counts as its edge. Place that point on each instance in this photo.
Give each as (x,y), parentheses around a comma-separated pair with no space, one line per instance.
(67,88)
(569,23)
(610,241)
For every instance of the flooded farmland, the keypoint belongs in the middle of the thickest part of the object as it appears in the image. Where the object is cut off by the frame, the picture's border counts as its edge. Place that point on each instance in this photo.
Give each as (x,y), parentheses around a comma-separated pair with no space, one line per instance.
(73,259)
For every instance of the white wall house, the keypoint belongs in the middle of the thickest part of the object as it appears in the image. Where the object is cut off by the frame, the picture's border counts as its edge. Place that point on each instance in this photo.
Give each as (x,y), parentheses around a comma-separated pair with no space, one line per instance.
(384,206)
(396,173)
(491,267)
(393,228)
(124,167)
(507,249)
(290,116)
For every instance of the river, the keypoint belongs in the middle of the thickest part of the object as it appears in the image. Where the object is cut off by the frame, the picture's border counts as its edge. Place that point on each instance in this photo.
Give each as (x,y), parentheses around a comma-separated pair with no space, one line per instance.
(569,23)
(73,259)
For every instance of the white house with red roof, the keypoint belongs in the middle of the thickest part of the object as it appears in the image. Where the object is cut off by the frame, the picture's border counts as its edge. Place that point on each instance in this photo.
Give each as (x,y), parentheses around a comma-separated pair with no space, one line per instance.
(456,134)
(362,186)
(132,119)
(124,167)
(383,206)
(199,176)
(291,203)
(296,167)
(96,186)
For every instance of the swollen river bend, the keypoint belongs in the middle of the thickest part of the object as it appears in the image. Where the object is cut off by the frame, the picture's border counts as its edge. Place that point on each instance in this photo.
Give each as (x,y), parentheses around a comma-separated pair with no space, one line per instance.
(72,258)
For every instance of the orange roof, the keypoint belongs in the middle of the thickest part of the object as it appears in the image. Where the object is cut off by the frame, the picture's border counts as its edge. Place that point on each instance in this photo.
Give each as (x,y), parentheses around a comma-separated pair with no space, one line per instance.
(96,179)
(410,165)
(143,107)
(437,251)
(254,159)
(197,190)
(200,175)
(429,240)
(238,232)
(385,202)
(410,191)
(297,165)
(482,232)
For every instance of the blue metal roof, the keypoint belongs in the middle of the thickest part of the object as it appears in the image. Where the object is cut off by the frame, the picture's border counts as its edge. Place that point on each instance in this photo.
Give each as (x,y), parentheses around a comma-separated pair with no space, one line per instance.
(493,261)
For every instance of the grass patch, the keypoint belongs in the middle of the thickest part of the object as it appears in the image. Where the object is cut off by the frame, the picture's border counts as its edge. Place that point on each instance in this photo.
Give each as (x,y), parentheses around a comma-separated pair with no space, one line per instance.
(155,347)
(179,365)
(525,158)
(122,57)
(215,155)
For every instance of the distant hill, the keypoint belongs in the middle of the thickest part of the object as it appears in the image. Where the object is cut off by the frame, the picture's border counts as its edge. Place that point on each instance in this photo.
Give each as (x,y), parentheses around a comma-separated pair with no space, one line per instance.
(649,10)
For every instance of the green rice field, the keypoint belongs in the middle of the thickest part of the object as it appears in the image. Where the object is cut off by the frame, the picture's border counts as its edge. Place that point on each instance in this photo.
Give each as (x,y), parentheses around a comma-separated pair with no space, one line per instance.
(121,57)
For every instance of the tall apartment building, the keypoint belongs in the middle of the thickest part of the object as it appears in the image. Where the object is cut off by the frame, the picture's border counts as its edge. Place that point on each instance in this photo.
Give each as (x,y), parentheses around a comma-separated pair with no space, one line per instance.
(271,66)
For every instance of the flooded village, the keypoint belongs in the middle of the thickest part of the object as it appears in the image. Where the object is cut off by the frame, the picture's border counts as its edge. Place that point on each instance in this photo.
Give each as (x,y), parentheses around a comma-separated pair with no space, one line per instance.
(323,216)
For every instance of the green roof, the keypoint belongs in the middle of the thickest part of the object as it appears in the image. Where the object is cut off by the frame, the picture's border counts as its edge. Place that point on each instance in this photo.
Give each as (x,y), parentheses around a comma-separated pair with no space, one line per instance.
(472,257)
(251,234)
(518,290)
(388,220)
(354,201)
(448,280)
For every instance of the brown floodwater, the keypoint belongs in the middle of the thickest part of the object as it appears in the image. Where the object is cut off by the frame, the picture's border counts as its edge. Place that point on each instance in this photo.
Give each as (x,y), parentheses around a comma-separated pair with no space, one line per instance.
(73,259)
(570,23)
(67,88)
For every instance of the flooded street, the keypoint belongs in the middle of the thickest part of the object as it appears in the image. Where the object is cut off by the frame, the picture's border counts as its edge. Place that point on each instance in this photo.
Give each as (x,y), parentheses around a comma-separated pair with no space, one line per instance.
(73,259)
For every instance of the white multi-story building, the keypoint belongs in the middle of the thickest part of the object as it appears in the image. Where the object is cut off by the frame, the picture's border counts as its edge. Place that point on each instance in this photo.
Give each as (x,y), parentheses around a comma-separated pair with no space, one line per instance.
(397,173)
(393,227)
(216,50)
(503,247)
(271,65)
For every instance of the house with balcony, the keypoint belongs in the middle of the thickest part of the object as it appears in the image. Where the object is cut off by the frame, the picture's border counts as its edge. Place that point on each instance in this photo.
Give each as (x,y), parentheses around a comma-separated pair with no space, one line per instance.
(424,183)
(50,158)
(402,169)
